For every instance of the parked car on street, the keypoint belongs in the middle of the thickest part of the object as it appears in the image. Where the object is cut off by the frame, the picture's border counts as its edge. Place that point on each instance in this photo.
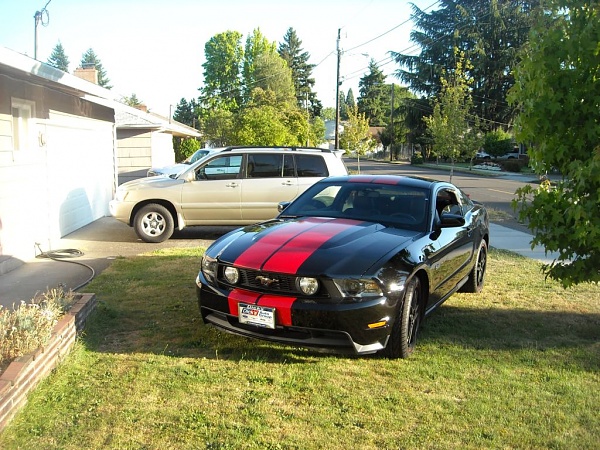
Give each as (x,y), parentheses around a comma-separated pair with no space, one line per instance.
(183,165)
(355,264)
(233,186)
(482,155)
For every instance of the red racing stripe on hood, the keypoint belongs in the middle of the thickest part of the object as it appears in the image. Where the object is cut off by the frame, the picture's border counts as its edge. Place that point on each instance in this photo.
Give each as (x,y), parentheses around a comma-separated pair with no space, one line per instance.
(297,250)
(297,241)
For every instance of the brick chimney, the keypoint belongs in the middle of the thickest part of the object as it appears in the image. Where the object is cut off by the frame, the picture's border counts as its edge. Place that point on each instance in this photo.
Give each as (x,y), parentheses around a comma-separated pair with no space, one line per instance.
(87,73)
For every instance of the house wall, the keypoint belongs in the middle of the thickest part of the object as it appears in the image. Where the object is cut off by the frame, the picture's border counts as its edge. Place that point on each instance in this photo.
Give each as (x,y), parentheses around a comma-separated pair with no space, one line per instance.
(140,149)
(66,176)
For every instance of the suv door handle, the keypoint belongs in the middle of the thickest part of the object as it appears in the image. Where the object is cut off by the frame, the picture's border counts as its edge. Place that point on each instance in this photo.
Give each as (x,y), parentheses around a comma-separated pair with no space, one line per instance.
(233,184)
(287,183)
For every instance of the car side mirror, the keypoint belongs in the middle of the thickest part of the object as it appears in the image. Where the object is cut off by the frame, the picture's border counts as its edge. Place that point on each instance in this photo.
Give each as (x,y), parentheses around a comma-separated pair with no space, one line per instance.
(281,206)
(451,220)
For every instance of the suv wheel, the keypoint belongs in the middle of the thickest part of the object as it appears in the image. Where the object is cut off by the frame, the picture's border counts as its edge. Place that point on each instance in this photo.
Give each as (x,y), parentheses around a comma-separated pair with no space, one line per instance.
(153,223)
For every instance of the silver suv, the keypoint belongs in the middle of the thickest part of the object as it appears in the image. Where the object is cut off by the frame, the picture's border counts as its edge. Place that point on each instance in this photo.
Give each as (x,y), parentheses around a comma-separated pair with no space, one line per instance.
(236,186)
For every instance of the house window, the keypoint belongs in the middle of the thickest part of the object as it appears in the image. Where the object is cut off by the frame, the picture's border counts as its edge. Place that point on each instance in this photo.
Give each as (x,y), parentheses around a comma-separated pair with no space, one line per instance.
(23,112)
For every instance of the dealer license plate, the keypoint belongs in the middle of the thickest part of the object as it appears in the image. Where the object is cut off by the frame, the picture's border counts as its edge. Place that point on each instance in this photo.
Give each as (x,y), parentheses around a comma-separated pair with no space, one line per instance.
(260,316)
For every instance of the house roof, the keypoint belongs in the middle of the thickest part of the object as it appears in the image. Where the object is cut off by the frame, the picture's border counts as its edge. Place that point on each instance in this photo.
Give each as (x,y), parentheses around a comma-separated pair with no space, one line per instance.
(23,66)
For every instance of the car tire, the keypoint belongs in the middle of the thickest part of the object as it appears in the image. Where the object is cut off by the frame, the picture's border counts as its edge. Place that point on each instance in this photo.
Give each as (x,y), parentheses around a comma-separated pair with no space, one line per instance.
(153,223)
(403,337)
(474,284)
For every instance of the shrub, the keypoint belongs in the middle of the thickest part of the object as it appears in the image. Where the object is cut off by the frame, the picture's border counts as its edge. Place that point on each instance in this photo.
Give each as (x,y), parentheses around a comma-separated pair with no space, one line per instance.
(417,158)
(29,326)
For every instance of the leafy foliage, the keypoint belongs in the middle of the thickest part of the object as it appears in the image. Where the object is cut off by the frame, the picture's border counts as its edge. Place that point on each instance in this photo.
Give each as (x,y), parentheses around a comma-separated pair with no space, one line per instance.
(557,91)
(184,147)
(59,59)
(453,133)
(497,142)
(222,83)
(356,136)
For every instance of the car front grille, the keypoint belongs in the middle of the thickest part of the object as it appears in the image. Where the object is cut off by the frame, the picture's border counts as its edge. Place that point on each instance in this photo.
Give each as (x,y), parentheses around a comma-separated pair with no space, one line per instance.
(256,280)
(270,283)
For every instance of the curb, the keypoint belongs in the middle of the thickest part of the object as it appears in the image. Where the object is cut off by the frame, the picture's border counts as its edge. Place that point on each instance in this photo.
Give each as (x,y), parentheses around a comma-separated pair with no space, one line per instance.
(24,373)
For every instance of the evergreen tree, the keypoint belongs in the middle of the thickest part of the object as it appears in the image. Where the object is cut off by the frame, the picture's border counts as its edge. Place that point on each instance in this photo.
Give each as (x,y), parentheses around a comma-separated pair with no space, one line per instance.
(132,101)
(89,58)
(297,59)
(186,113)
(489,32)
(350,102)
(374,98)
(58,58)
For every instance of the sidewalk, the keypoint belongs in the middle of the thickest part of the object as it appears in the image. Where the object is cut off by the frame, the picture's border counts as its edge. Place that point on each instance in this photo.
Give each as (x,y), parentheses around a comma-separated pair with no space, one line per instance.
(106,239)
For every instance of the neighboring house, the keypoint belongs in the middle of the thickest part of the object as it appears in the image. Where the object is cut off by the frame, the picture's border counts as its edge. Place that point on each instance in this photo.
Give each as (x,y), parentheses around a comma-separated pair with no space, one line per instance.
(59,164)
(145,140)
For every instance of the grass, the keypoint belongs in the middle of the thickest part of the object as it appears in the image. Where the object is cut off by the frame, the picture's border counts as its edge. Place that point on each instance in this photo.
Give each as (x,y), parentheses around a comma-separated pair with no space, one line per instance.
(515,367)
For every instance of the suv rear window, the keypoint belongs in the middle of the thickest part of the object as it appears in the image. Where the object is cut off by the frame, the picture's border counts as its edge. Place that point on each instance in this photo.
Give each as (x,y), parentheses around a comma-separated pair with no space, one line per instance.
(311,166)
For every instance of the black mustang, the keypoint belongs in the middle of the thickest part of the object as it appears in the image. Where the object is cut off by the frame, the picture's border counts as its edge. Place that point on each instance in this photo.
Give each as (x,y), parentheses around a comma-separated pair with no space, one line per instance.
(354,263)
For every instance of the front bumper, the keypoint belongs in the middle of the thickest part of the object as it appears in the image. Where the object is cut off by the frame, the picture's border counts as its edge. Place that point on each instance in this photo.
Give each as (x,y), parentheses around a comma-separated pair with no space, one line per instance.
(341,327)
(121,210)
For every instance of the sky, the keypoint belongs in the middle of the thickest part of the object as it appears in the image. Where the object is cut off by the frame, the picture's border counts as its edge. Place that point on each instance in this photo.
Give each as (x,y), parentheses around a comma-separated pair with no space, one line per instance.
(155,49)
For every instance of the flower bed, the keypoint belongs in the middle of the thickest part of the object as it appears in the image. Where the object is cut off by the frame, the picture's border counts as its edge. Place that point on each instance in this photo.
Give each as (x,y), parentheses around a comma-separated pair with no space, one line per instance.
(25,372)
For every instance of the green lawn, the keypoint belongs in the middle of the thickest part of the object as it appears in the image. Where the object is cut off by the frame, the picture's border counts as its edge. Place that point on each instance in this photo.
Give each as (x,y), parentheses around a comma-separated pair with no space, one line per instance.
(515,367)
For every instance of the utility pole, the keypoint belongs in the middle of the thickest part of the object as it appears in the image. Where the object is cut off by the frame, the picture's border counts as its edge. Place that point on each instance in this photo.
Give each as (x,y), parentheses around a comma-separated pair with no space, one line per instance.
(337,95)
(392,123)
(38,17)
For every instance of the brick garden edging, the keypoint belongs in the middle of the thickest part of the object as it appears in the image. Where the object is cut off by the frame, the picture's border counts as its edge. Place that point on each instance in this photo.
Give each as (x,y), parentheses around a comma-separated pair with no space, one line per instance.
(24,373)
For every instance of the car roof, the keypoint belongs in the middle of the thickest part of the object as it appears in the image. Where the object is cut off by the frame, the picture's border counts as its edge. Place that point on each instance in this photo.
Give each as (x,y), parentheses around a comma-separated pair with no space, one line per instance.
(411,181)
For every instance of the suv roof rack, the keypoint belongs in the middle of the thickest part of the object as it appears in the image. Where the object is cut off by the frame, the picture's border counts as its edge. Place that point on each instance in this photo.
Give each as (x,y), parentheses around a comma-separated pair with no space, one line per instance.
(285,148)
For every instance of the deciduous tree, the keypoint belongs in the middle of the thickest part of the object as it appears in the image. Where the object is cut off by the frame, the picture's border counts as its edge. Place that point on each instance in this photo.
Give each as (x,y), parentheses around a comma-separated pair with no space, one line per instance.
(557,92)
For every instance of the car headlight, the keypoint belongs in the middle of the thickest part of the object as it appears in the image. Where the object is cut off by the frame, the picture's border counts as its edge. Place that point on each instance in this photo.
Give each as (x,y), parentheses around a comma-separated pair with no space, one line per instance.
(209,267)
(350,287)
(231,274)
(307,285)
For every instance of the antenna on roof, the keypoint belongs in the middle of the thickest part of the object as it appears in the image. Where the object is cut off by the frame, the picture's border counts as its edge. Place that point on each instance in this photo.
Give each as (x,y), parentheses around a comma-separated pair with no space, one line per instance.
(39,17)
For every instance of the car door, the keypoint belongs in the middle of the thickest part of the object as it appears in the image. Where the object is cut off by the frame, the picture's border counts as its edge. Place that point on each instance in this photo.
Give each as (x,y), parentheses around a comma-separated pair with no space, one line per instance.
(451,248)
(310,169)
(270,179)
(214,196)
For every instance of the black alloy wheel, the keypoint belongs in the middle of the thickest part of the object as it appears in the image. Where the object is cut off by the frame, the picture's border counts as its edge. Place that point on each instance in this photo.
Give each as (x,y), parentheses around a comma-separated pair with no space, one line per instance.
(403,337)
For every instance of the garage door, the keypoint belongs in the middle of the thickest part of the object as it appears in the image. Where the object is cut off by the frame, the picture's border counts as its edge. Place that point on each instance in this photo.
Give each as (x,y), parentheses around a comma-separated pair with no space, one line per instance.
(81,171)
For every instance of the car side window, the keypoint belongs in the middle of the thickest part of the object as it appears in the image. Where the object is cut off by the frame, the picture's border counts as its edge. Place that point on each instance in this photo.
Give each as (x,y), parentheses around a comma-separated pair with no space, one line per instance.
(311,166)
(220,168)
(447,203)
(267,165)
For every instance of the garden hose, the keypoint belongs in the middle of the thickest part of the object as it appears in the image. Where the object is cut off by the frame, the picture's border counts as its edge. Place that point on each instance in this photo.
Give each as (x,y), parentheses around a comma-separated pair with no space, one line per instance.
(62,255)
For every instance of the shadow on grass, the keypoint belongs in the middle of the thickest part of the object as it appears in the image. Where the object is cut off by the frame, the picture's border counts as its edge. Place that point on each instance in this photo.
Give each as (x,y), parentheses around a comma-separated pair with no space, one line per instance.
(178,331)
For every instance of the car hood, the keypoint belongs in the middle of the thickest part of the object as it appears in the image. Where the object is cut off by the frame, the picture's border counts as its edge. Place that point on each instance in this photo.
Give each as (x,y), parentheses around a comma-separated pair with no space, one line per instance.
(312,246)
(170,170)
(151,182)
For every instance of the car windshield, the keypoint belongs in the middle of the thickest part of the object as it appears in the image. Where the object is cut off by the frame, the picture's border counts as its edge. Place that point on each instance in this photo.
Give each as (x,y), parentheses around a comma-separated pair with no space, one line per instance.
(195,156)
(392,205)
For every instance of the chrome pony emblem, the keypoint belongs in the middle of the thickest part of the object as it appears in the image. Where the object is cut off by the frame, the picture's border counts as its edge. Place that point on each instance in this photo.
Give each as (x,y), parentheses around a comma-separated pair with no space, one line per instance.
(266,281)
